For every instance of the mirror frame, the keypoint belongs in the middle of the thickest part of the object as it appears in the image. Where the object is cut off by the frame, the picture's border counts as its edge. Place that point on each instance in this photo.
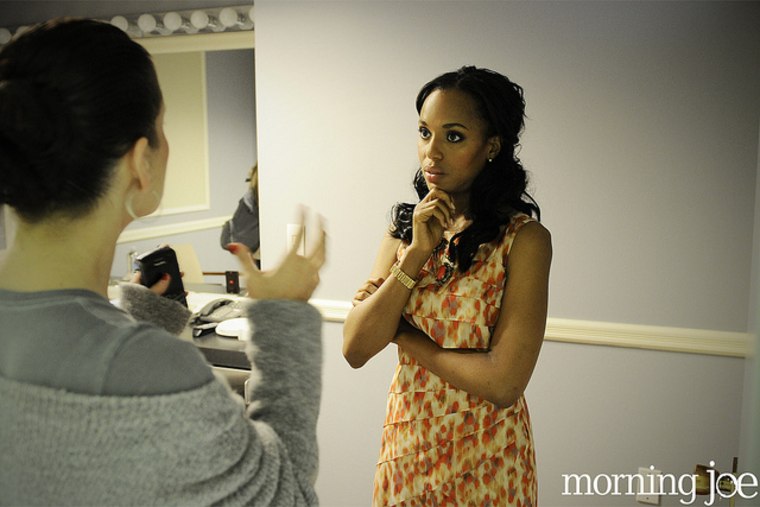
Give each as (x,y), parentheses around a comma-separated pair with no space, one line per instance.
(244,39)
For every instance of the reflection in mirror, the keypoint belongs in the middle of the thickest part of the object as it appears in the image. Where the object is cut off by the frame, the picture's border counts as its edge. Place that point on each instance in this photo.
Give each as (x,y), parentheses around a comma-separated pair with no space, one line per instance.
(3,231)
(183,82)
(210,125)
(7,228)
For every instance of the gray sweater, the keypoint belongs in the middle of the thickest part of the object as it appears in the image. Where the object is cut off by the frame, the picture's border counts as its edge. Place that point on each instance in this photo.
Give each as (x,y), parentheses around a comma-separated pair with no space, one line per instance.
(71,434)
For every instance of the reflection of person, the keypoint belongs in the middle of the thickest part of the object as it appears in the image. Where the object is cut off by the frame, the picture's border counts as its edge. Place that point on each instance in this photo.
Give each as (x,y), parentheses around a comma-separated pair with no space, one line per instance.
(460,285)
(97,407)
(243,227)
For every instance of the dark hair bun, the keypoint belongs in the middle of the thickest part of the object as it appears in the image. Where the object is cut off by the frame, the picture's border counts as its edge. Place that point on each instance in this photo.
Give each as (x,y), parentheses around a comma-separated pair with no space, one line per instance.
(34,131)
(75,95)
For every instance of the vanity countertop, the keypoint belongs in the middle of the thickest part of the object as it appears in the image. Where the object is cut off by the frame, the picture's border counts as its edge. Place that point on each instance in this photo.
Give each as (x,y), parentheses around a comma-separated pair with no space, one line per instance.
(223,351)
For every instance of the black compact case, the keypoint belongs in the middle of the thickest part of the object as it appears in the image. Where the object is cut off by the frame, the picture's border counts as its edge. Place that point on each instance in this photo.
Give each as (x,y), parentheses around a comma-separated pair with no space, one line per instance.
(154,264)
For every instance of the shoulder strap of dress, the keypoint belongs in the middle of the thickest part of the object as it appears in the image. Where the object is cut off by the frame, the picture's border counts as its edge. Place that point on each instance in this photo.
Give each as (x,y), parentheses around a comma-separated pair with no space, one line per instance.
(516,223)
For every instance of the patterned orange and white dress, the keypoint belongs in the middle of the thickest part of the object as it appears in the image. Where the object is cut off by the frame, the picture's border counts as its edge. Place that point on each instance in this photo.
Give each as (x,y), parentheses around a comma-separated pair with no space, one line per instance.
(440,445)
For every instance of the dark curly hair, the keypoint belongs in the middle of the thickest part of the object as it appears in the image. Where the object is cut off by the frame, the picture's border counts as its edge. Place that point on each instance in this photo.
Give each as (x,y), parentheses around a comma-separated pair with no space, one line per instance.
(499,191)
(75,95)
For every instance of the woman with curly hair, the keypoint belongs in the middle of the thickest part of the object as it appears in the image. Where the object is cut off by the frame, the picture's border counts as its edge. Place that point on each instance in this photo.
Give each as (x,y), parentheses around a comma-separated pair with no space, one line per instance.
(460,285)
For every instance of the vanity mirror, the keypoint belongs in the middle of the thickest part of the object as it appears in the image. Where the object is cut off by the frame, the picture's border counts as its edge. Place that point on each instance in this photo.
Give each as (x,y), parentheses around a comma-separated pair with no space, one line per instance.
(208,84)
(205,61)
(189,69)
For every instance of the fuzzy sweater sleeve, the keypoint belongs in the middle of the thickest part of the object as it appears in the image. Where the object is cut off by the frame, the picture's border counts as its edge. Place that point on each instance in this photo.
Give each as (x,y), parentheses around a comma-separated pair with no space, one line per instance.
(147,306)
(286,356)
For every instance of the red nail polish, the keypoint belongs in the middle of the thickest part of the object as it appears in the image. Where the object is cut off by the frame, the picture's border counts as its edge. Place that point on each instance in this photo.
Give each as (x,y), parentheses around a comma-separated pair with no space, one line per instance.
(165,276)
(232,248)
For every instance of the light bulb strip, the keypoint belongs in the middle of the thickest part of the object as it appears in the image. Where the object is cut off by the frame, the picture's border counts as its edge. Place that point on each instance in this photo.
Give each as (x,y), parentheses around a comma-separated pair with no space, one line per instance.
(234,18)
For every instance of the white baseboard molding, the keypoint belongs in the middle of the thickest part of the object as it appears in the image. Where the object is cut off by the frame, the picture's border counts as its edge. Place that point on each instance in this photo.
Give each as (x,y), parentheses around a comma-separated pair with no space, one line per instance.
(670,339)
(160,231)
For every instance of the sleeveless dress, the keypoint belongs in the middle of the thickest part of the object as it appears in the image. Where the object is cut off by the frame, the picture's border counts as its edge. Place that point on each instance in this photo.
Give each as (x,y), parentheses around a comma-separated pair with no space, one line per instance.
(440,445)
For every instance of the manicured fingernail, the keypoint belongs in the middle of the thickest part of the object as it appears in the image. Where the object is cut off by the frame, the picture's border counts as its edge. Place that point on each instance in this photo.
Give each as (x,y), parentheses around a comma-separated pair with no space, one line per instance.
(232,248)
(165,276)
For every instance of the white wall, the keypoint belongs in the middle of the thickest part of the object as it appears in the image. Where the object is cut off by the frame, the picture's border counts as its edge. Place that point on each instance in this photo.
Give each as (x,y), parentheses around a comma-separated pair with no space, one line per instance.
(751,414)
(641,137)
(642,143)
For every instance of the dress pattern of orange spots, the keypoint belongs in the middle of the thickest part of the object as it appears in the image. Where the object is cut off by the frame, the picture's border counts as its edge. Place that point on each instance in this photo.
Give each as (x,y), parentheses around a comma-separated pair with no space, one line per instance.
(440,445)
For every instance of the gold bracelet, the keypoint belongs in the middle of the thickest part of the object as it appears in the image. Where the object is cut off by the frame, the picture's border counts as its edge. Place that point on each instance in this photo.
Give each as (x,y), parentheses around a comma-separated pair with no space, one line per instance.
(406,280)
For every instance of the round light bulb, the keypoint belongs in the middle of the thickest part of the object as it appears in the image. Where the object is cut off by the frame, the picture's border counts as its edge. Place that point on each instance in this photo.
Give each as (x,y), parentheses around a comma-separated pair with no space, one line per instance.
(5,36)
(199,20)
(229,17)
(172,21)
(120,22)
(147,23)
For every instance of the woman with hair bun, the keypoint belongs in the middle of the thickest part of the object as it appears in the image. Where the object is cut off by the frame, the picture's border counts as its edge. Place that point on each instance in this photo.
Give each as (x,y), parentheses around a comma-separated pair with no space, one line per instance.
(460,285)
(97,407)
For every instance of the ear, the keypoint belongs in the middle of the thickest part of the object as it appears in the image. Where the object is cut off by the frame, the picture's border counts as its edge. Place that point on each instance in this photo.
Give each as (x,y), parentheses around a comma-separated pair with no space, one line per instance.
(138,164)
(494,146)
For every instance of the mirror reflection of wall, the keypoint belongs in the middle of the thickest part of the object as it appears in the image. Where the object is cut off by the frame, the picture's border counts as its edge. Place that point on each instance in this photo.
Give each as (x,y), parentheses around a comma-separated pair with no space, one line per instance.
(7,228)
(231,151)
(3,241)
(183,82)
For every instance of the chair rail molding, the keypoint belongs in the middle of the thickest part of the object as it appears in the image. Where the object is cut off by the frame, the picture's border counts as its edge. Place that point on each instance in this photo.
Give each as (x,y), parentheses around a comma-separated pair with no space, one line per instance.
(160,231)
(637,336)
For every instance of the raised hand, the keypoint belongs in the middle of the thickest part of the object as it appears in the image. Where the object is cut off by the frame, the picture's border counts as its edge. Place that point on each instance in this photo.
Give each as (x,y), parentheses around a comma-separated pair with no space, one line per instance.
(295,277)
